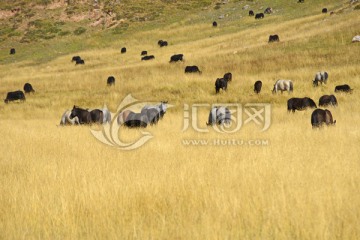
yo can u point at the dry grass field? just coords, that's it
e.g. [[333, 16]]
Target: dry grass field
[[288, 182]]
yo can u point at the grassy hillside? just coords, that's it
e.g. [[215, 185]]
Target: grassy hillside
[[288, 182], [62, 28]]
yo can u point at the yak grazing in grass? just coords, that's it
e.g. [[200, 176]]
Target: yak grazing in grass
[[300, 104]]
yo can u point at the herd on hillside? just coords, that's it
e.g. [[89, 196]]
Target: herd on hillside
[[151, 114]]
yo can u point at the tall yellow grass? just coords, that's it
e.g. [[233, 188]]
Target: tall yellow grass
[[62, 183]]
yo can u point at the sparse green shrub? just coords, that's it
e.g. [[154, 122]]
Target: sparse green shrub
[[64, 33], [118, 17], [61, 23], [185, 7], [70, 11], [25, 40], [43, 2], [137, 9], [16, 19], [36, 23], [14, 34], [7, 7], [112, 24], [47, 37], [41, 29], [29, 14], [79, 30], [121, 28], [6, 31], [77, 8]]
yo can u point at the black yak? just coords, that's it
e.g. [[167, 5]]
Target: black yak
[[300, 104], [321, 116], [257, 86], [327, 100], [343, 88]]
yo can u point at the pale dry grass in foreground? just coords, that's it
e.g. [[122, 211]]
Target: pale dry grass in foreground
[[60, 182]]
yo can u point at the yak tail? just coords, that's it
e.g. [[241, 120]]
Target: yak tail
[[291, 86]]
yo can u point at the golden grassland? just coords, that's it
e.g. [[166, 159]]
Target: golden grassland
[[62, 183]]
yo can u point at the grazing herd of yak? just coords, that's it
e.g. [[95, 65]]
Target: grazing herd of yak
[[151, 114]]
